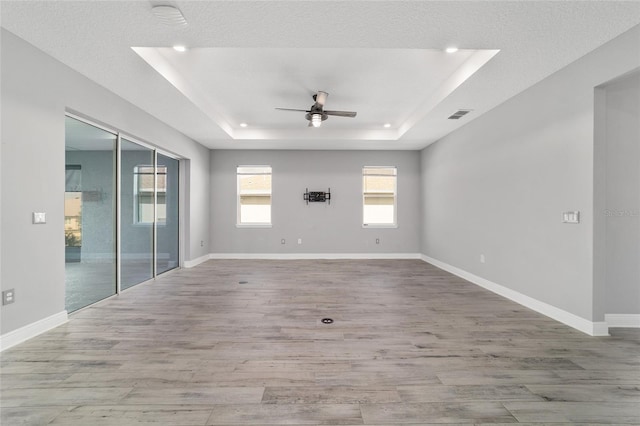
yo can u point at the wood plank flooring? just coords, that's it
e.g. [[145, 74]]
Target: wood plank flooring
[[410, 344]]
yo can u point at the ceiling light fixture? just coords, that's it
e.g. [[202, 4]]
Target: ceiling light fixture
[[169, 15], [387, 125], [451, 49], [316, 120], [180, 48], [243, 124]]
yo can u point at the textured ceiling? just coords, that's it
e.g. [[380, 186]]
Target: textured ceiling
[[534, 38]]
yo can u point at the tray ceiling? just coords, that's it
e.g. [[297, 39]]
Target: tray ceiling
[[384, 59]]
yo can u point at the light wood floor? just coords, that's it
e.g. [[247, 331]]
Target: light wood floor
[[410, 344]]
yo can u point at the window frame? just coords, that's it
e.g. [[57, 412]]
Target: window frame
[[240, 224], [395, 198]]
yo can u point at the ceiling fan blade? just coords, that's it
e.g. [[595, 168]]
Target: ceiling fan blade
[[321, 97], [342, 113], [293, 109]]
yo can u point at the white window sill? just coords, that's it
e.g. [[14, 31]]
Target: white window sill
[[380, 225], [253, 225]]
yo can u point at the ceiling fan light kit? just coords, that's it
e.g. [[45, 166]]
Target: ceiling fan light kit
[[316, 114], [316, 120]]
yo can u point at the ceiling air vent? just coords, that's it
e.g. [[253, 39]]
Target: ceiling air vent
[[170, 16], [459, 114]]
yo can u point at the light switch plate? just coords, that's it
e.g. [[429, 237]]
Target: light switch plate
[[571, 217], [39, 217]]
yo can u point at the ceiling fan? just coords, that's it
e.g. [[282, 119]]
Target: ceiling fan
[[316, 114]]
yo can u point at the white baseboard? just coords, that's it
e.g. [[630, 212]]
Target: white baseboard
[[598, 328], [25, 333], [294, 256], [623, 320], [196, 261], [572, 320]]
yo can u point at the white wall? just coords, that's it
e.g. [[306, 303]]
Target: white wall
[[324, 228], [499, 185], [621, 160], [36, 91]]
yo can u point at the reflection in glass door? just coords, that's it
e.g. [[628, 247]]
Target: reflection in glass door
[[73, 213], [167, 229], [137, 194], [144, 223], [90, 261]]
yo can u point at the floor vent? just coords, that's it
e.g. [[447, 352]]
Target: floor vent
[[459, 114], [243, 282]]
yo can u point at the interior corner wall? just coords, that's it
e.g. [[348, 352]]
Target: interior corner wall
[[36, 92], [499, 185], [334, 228], [620, 211]]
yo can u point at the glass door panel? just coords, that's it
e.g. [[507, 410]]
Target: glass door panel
[[90, 261], [167, 230], [136, 213]]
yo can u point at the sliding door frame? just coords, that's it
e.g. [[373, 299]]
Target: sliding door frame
[[120, 135], [181, 189], [118, 209]]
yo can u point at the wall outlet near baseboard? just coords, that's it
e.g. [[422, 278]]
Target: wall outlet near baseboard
[[482, 259], [571, 217], [299, 240], [283, 241], [377, 240], [8, 296]]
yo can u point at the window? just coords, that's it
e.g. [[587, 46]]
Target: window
[[379, 196], [254, 195], [143, 189]]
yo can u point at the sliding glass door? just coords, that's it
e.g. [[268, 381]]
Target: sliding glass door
[[137, 195], [89, 210], [167, 214], [108, 252]]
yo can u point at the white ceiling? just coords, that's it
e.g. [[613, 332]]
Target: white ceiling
[[383, 59], [395, 86]]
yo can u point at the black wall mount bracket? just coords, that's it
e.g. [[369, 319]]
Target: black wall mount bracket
[[317, 196]]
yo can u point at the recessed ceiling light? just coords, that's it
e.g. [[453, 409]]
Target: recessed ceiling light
[[387, 125], [180, 48], [451, 49], [243, 124]]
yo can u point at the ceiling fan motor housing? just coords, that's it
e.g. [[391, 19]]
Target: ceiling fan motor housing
[[313, 112], [316, 113]]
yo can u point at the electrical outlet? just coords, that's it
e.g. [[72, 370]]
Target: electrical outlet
[[299, 240], [283, 241], [482, 258], [571, 217], [39, 217], [201, 243], [8, 296], [377, 240]]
